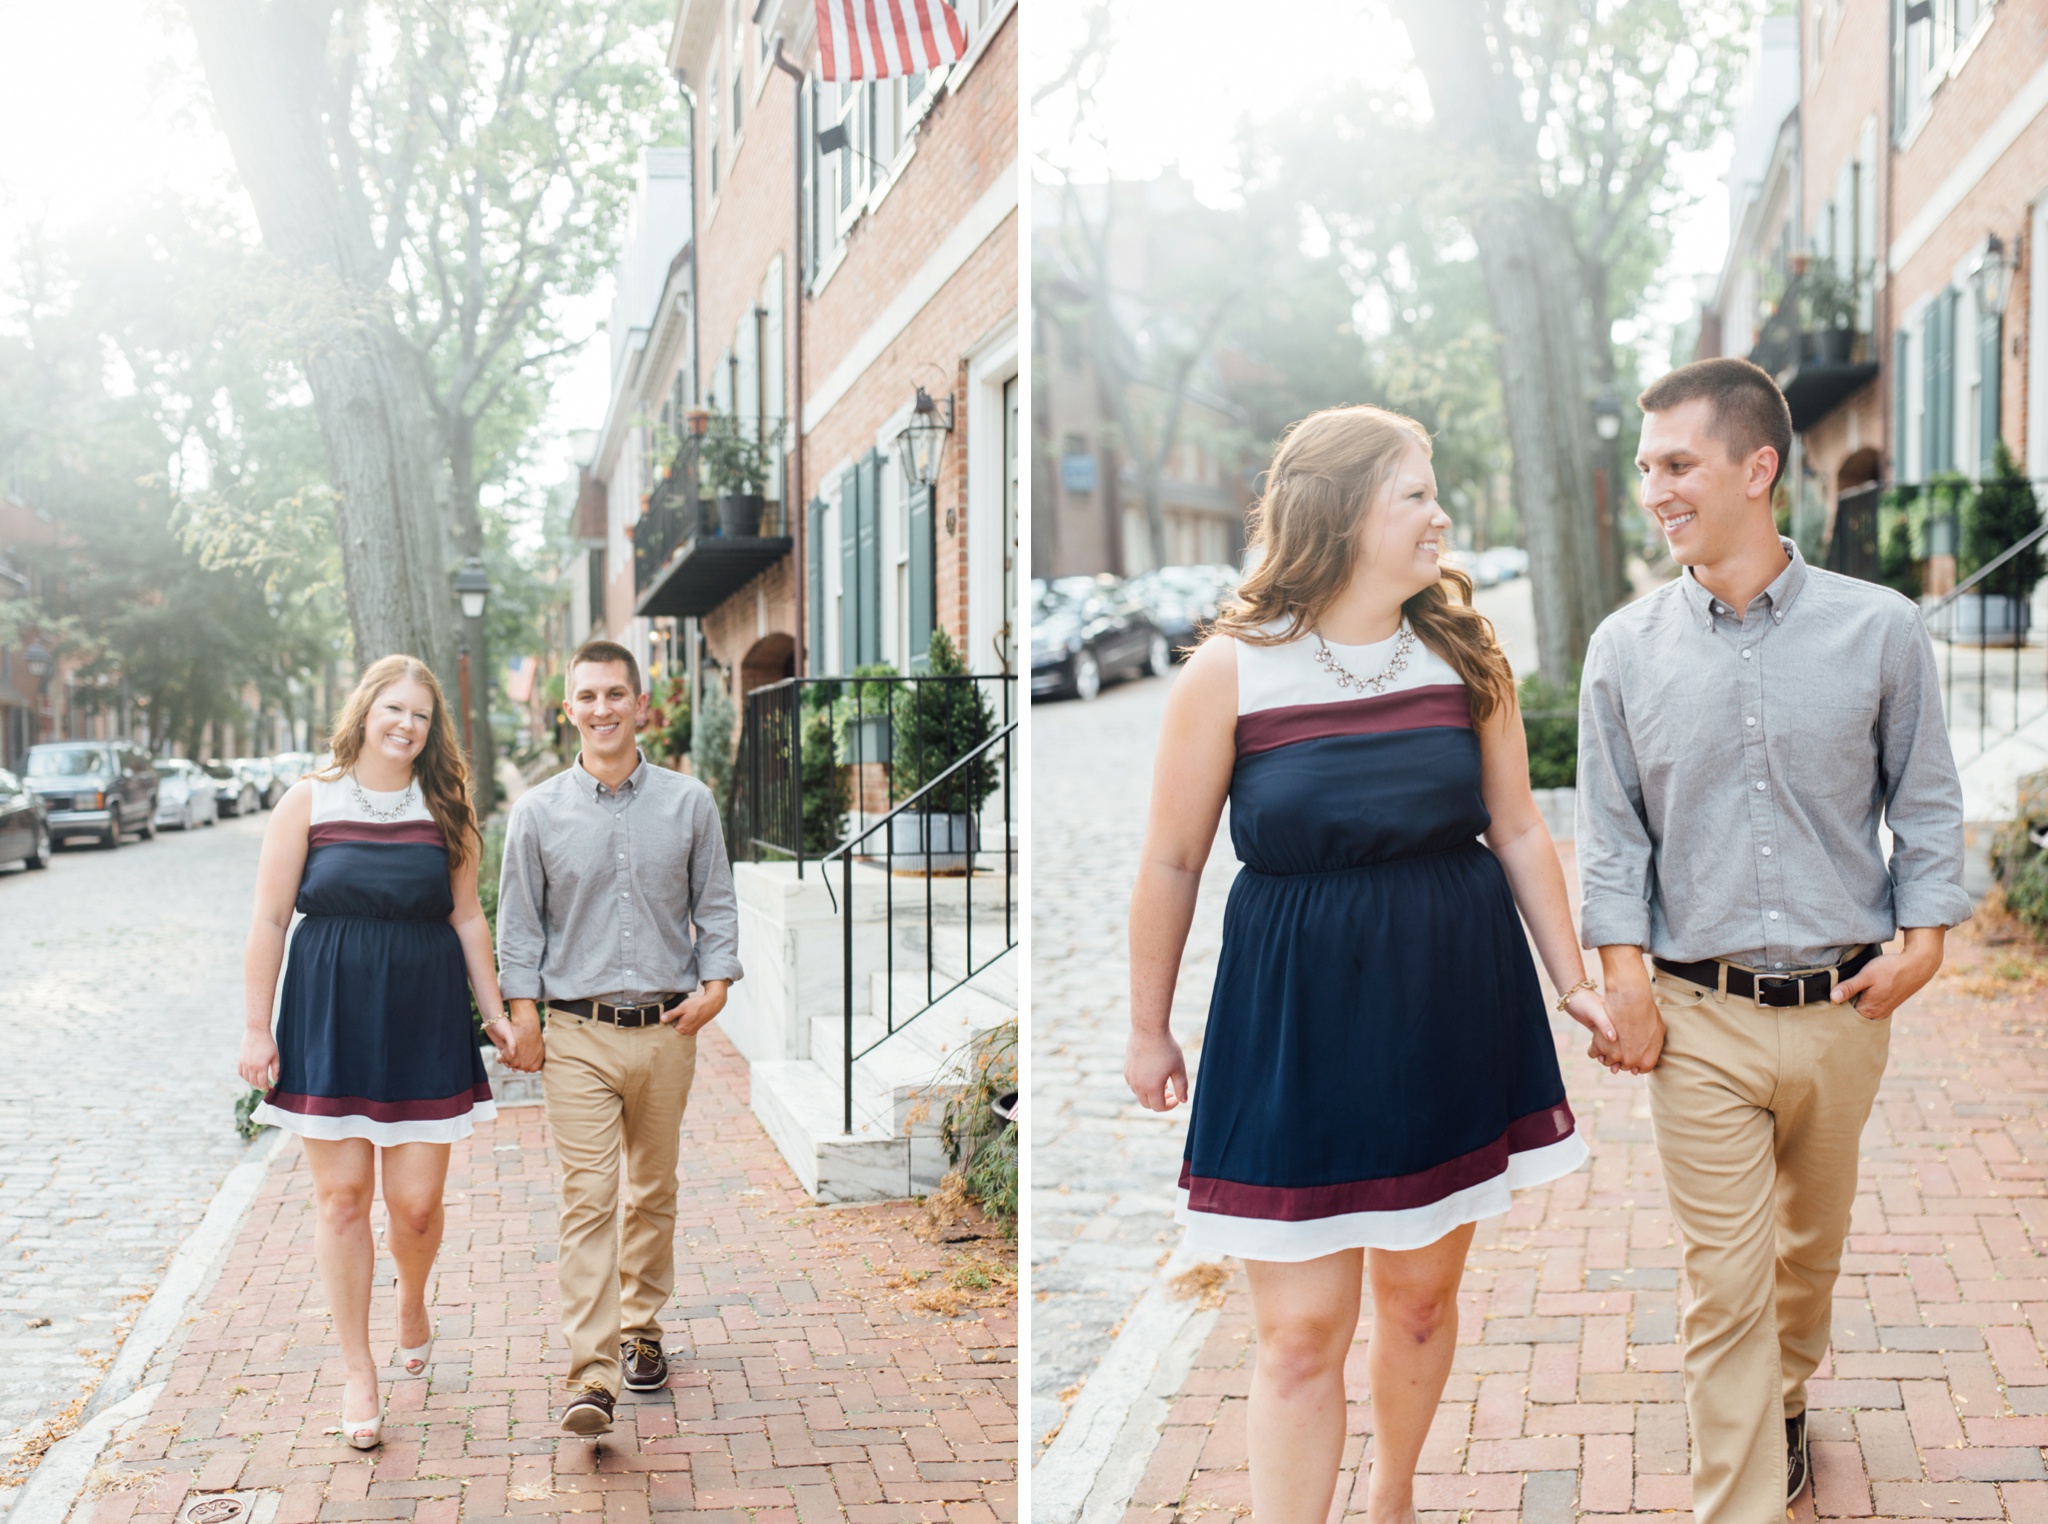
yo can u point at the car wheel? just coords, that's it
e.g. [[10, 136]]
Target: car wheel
[[39, 855], [1159, 656], [113, 837], [248, 804], [1087, 676], [149, 823]]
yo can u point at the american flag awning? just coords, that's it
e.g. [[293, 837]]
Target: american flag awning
[[886, 39]]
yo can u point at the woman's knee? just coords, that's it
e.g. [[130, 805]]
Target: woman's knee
[[1303, 1351], [1414, 1314], [343, 1205], [416, 1216]]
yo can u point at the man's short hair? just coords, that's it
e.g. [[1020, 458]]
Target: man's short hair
[[604, 653], [1748, 409]]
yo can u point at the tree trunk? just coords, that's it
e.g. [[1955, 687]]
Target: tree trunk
[[1532, 284], [268, 65]]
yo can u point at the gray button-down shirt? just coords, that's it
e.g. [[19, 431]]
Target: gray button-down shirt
[[600, 887], [1733, 767]]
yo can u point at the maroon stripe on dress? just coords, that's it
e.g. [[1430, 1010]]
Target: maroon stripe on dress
[[381, 1111], [1439, 705], [423, 833], [1394, 1193]]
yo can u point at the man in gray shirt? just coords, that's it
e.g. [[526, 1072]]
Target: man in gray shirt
[[607, 866], [1742, 730]]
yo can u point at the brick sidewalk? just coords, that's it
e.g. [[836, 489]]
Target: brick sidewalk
[[1566, 1394], [808, 1384]]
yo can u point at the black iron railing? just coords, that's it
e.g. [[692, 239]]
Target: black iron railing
[[816, 753], [673, 515], [942, 841], [1789, 338], [1953, 622]]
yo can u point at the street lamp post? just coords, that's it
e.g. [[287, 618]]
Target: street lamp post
[[1607, 428], [38, 658], [473, 589]]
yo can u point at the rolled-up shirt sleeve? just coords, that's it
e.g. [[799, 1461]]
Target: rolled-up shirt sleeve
[[522, 910], [714, 907], [1923, 795], [1615, 853]]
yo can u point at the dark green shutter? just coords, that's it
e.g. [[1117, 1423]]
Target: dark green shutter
[[849, 570], [1938, 428], [869, 552], [1987, 390], [924, 593], [816, 591], [1902, 413]]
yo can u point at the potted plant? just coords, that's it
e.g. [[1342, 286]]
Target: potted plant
[[1831, 299], [2004, 513], [935, 724], [735, 467], [861, 714], [668, 722]]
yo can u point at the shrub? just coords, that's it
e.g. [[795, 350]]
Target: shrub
[[2004, 513], [711, 745], [1550, 722], [935, 725], [667, 736], [2018, 861], [981, 1144], [826, 794]]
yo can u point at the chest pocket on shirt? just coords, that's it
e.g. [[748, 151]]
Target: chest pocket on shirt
[[1820, 732]]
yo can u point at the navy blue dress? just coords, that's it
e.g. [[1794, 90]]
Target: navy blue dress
[[374, 1035], [1378, 1066]]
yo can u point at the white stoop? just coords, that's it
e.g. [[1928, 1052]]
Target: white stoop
[[788, 1017]]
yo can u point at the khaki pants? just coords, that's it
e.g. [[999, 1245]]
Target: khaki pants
[[1758, 1114], [615, 1095]]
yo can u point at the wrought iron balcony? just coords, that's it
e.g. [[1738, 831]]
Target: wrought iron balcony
[[683, 565], [1818, 369]]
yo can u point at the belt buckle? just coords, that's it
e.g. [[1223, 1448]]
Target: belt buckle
[[1777, 981]]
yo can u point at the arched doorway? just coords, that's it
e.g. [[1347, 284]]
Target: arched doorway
[[769, 660], [1853, 528]]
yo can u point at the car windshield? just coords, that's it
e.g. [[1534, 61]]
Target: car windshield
[[67, 762], [219, 770], [1052, 601]]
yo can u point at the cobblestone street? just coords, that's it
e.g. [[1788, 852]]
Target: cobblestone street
[[121, 987]]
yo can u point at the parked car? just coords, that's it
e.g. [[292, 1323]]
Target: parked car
[[1504, 563], [1181, 600], [235, 789], [1086, 631], [24, 823], [290, 767], [269, 786], [94, 788], [187, 794]]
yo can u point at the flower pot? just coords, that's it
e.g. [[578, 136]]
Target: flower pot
[[949, 838], [1836, 345], [866, 740], [739, 514]]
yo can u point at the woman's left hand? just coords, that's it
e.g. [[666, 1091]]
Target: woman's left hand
[[1590, 1012]]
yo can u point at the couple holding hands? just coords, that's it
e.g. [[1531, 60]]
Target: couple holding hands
[[616, 908], [1378, 1072]]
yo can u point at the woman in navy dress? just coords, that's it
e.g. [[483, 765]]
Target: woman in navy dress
[[1378, 1070], [374, 1053]]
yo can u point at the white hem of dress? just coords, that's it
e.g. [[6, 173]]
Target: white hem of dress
[[1409, 1228], [383, 1134]]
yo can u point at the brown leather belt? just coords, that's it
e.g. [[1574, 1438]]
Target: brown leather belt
[[1775, 990], [647, 1015]]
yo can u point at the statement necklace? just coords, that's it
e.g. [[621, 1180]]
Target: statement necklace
[[1327, 660], [363, 800]]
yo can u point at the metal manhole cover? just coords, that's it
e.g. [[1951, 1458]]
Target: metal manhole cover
[[215, 1510]]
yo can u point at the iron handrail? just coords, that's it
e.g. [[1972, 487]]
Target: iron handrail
[[845, 854]]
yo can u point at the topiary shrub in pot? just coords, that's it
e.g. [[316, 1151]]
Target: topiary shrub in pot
[[2004, 513], [935, 725]]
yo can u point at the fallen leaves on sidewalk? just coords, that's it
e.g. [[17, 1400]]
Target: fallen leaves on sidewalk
[[1204, 1285]]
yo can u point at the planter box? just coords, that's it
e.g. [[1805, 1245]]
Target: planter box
[[866, 740], [952, 841], [1980, 619]]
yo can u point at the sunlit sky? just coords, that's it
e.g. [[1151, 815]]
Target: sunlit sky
[[104, 100]]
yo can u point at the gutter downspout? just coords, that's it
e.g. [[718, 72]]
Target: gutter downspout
[[1880, 265], [799, 573], [692, 636]]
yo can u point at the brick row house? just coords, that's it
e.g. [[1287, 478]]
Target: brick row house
[[1890, 182], [818, 267], [907, 279]]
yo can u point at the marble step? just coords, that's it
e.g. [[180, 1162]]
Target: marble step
[[799, 1105]]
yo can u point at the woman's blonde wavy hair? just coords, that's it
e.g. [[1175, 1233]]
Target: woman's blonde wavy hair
[[440, 768], [1307, 535]]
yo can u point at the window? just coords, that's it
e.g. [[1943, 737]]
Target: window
[[735, 54], [711, 138]]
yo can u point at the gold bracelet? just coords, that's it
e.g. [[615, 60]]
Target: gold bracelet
[[1566, 998]]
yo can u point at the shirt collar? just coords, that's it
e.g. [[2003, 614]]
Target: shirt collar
[[1783, 590], [588, 786]]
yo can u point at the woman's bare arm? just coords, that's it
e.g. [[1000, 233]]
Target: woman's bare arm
[[279, 867], [474, 932], [1190, 782], [1521, 841]]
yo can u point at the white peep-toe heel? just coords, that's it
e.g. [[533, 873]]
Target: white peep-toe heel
[[363, 1433], [414, 1361]]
